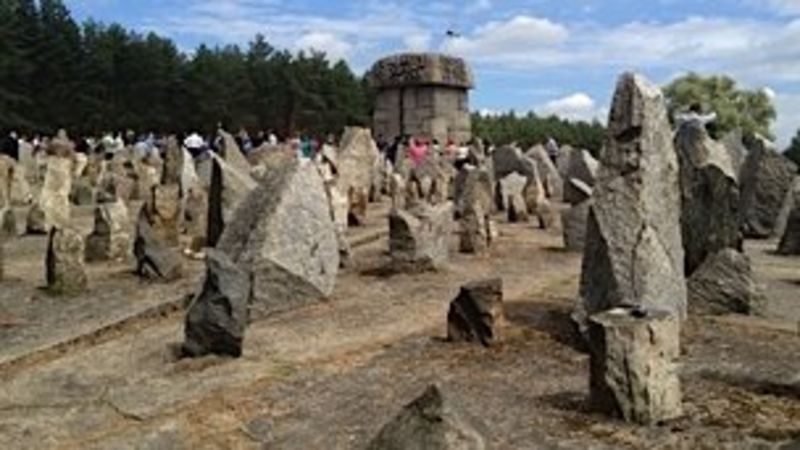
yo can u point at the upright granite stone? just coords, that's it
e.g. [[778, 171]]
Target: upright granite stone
[[419, 238], [573, 221], [195, 217], [217, 317], [283, 233], [551, 179], [6, 179], [734, 145], [65, 271], [511, 197], [474, 234], [634, 254], [434, 421], [473, 186], [110, 239], [355, 163], [633, 371], [725, 283], [790, 241], [174, 163], [766, 178], [35, 220], [155, 260], [229, 189], [54, 198], [709, 196], [789, 202], [582, 166], [164, 211], [476, 315], [8, 223]]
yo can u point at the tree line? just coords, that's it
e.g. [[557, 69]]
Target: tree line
[[92, 77], [529, 129]]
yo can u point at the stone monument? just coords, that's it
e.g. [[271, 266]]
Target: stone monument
[[424, 95]]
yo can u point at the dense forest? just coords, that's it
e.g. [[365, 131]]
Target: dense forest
[[92, 77]]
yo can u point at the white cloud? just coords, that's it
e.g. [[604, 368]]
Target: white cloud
[[479, 6], [418, 42], [577, 106], [788, 7], [335, 47], [523, 36]]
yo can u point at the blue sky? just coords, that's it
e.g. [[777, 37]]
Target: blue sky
[[550, 56]]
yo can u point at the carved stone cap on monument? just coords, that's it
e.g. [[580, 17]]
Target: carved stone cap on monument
[[421, 69]]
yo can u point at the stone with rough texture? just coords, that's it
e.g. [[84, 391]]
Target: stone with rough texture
[[473, 185], [573, 221], [709, 196], [8, 223], [34, 220], [634, 253], [582, 166], [511, 197], [65, 271], [284, 234], [6, 179], [355, 163], [725, 283], [765, 179], [164, 211], [474, 234], [195, 217], [155, 261], [790, 241], [82, 193], [229, 188], [418, 239], [633, 370], [217, 318], [54, 198], [737, 152], [174, 163], [110, 239], [789, 202], [476, 315], [431, 422], [551, 179]]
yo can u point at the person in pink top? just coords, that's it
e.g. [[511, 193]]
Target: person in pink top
[[417, 151]]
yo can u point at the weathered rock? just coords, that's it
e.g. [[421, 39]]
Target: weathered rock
[[229, 189], [397, 191], [581, 166], [418, 239], [217, 318], [195, 217], [54, 198], [431, 422], [174, 163], [6, 178], [20, 193], [164, 211], [155, 261], [476, 315], [789, 202], [232, 154], [35, 220], [737, 152], [473, 186], [65, 271], [355, 165], [573, 221], [536, 198], [725, 283], [790, 241], [633, 374], [507, 160], [110, 239], [474, 233], [284, 234], [709, 196], [61, 146], [8, 223], [634, 254], [551, 179], [580, 192], [81, 193], [766, 178], [510, 191]]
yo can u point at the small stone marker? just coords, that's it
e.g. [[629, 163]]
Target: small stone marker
[[476, 315], [725, 283], [431, 422], [633, 374], [154, 259], [217, 318], [573, 221], [418, 239], [8, 223], [474, 234], [65, 271], [109, 239]]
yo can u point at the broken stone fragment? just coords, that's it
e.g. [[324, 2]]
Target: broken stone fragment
[[476, 315]]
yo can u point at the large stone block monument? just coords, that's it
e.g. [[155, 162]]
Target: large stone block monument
[[422, 94]]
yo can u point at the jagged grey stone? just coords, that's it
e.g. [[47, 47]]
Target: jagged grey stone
[[434, 421], [155, 260], [551, 179], [476, 315], [766, 178], [573, 221], [633, 371], [217, 317], [634, 253], [725, 283], [110, 239], [284, 234], [419, 238], [511, 197], [65, 271]]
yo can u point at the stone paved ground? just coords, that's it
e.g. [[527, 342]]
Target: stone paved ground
[[328, 376]]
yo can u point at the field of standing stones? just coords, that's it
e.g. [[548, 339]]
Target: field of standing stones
[[648, 298]]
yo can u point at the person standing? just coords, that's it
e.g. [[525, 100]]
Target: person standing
[[418, 151], [552, 149]]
